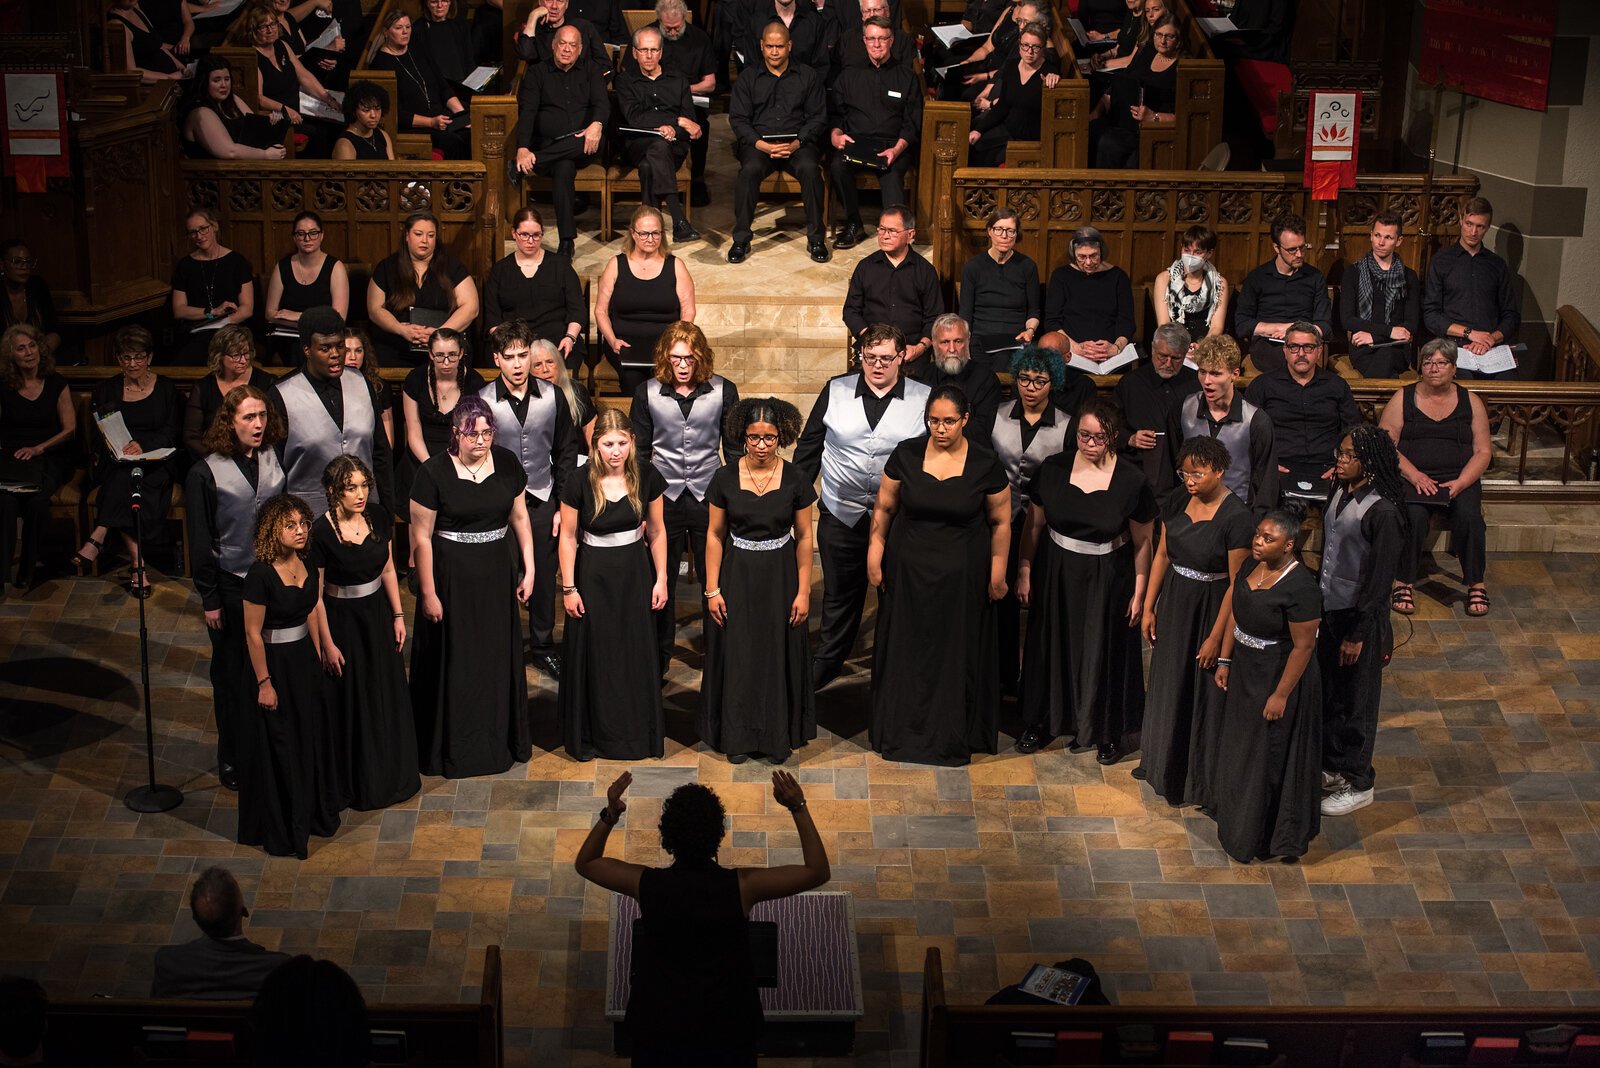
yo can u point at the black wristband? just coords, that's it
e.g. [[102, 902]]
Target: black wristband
[[607, 818]]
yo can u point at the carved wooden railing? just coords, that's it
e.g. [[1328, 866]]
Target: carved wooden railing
[[1143, 213], [1578, 361]]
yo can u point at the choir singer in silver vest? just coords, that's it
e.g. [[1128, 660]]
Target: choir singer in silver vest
[[855, 423], [329, 413]]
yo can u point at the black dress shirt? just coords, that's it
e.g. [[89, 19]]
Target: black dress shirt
[[1408, 314], [766, 103], [1471, 289], [851, 52], [906, 296], [810, 34], [1270, 297], [1307, 420], [980, 386], [644, 424], [808, 451], [999, 298], [648, 103], [537, 48], [878, 105], [1089, 307], [555, 103], [1147, 402]]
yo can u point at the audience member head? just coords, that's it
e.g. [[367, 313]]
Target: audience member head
[[1436, 362], [1088, 250], [347, 483], [1386, 234], [511, 345], [1476, 216], [134, 348], [1025, 11], [546, 364], [448, 358], [17, 262], [1289, 242], [527, 230], [231, 351], [359, 355], [257, 27], [394, 31], [647, 233], [875, 9], [420, 235], [1277, 538], [946, 414], [1302, 349], [217, 903], [1196, 247], [693, 822], [282, 527], [211, 87], [1168, 348], [647, 47], [438, 10], [471, 416], [673, 16], [759, 417], [245, 420], [952, 343], [555, 13], [1166, 36], [683, 356], [204, 231], [307, 233], [310, 1012], [897, 228], [877, 33], [566, 46], [881, 347], [1033, 41], [23, 355], [322, 341], [1036, 371], [775, 47], [365, 104], [24, 1011], [1004, 227], [614, 454]]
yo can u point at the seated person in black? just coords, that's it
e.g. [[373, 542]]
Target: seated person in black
[[215, 123], [427, 103], [1146, 90], [1286, 289], [26, 295], [1000, 294], [851, 51], [562, 110], [1088, 305], [1380, 304], [536, 42], [540, 288], [1311, 407], [811, 33], [446, 36], [655, 99], [687, 51], [877, 119], [950, 363], [365, 104], [1469, 297], [1010, 111]]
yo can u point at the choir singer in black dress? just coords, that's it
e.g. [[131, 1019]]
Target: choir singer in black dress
[[222, 496], [366, 631], [941, 531], [610, 587], [1082, 669], [469, 692], [756, 689]]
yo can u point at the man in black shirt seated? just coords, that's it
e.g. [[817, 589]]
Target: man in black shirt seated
[[1147, 394], [877, 116], [777, 113], [222, 963], [951, 364], [1310, 408], [1380, 304], [657, 100], [1469, 298], [851, 51], [536, 42], [686, 51], [562, 109], [896, 285], [1281, 291]]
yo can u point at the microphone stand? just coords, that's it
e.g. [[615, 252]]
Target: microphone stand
[[151, 797]]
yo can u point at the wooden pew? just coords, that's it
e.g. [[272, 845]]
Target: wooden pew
[[1181, 144]]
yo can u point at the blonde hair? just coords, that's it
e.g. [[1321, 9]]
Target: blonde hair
[[1217, 353], [608, 420], [645, 211]]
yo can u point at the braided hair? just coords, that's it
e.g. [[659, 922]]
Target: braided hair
[[1380, 463]]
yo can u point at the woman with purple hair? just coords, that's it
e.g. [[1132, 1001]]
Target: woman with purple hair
[[469, 692]]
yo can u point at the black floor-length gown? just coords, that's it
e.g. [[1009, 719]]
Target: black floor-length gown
[[376, 703], [469, 691], [756, 691], [291, 761], [1183, 706], [610, 683], [1266, 787], [1082, 665], [935, 658]]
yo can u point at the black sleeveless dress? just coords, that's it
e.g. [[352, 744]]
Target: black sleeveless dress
[[641, 308], [297, 297], [147, 51], [1439, 448], [367, 148]]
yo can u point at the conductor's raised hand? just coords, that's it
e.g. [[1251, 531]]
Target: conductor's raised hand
[[786, 790], [619, 786]]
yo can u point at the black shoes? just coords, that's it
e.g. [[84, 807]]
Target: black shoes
[[550, 664], [738, 252], [228, 775], [1108, 753], [849, 236], [738, 758], [682, 230], [819, 251], [1033, 739], [822, 674], [566, 247]]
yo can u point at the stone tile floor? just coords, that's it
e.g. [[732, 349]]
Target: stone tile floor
[[1474, 879]]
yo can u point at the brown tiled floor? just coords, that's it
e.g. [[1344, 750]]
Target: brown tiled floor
[[1474, 879]]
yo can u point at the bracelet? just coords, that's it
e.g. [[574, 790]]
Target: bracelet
[[714, 593], [569, 589], [399, 615], [607, 818], [262, 681], [801, 807], [1223, 661]]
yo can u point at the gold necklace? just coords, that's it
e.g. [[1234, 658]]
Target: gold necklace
[[760, 487], [1274, 576], [472, 472]]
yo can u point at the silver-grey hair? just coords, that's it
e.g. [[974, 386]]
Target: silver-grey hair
[[949, 321], [1175, 336], [1442, 345], [648, 31], [1302, 326], [674, 6], [1088, 235]]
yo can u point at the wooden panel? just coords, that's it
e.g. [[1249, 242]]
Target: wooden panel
[[1064, 124], [945, 126]]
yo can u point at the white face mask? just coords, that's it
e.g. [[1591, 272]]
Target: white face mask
[[1192, 264]]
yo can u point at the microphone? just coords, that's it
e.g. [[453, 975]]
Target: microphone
[[136, 499]]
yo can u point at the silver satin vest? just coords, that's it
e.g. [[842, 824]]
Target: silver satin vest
[[1343, 549], [233, 540], [1234, 436], [531, 441], [314, 439], [854, 453], [687, 451], [1020, 463]]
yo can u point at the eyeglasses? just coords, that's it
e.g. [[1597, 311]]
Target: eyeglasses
[[880, 38], [643, 235], [1003, 231], [297, 524], [1435, 365], [684, 361], [1187, 477], [1166, 37], [1031, 382], [1290, 250], [28, 264], [889, 231], [1093, 439], [942, 423], [307, 234], [1296, 346], [1030, 47], [476, 435], [444, 357], [1343, 454], [522, 235], [646, 51], [761, 439], [879, 361], [134, 357], [198, 230]]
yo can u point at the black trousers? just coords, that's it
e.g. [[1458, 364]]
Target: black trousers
[[1468, 536], [686, 521], [755, 165], [1350, 696], [559, 162], [232, 679], [546, 573], [1267, 355], [1386, 361], [699, 146], [657, 161], [892, 181], [34, 511], [843, 548]]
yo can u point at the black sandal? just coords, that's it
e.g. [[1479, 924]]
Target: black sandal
[[1477, 602], [80, 560], [1400, 600]]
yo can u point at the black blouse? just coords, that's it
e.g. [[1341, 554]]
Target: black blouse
[[153, 421], [209, 283], [959, 500], [760, 517], [619, 515], [287, 606], [297, 297], [278, 79], [417, 80], [1100, 516], [342, 563], [547, 302], [467, 506], [25, 423], [1204, 546], [434, 423], [432, 293]]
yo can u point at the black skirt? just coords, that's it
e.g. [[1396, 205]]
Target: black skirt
[[382, 742], [610, 679], [291, 760], [1183, 703], [756, 691], [469, 690]]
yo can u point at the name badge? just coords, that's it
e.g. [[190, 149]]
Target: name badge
[[894, 94]]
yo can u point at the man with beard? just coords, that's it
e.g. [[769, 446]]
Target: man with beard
[[1147, 394], [950, 364]]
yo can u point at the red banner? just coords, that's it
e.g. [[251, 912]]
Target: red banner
[[1493, 49], [35, 128], [1333, 128]]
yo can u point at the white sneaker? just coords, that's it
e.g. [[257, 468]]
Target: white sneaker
[[1332, 780], [1345, 800]]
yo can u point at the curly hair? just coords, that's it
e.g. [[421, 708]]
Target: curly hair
[[692, 823], [337, 476], [9, 374], [364, 94], [270, 520], [1205, 451], [1217, 353], [752, 410], [695, 338], [1105, 411], [220, 437], [1380, 463], [1040, 360]]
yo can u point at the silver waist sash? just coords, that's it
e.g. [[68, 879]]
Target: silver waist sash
[[761, 546], [1200, 576], [1089, 548], [1252, 641], [285, 635], [612, 541], [352, 593], [481, 537]]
